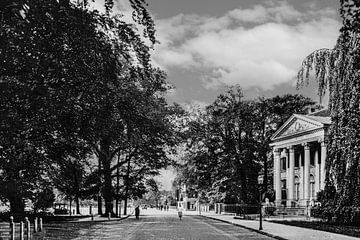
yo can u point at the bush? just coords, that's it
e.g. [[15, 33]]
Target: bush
[[269, 210], [330, 209]]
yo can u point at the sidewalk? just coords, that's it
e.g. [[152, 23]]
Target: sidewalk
[[279, 231], [98, 218]]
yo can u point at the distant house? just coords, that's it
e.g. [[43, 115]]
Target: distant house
[[185, 199], [299, 148]]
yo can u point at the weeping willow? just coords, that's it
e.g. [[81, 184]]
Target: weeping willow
[[337, 71]]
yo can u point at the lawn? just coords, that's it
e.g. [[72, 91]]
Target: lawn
[[353, 231]]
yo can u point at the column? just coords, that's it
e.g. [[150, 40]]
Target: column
[[301, 172], [291, 175], [322, 165], [317, 171], [277, 176], [307, 172]]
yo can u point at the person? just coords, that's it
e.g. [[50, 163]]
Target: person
[[137, 212], [180, 212]]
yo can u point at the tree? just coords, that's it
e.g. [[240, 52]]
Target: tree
[[69, 179], [229, 144], [152, 196], [221, 159], [44, 199], [337, 70], [67, 75], [271, 113]]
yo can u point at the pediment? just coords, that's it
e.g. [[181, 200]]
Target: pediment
[[295, 125]]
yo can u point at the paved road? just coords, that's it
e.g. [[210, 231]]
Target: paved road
[[159, 226]]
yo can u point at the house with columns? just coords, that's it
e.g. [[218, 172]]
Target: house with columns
[[299, 150]]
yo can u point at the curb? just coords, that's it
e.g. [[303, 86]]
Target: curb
[[103, 220], [93, 221], [248, 228]]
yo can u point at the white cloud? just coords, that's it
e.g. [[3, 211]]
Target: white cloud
[[259, 46]]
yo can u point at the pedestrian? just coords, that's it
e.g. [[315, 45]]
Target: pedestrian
[[137, 212], [180, 209]]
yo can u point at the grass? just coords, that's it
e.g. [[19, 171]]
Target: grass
[[353, 231]]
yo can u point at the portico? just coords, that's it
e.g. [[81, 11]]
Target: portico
[[299, 150]]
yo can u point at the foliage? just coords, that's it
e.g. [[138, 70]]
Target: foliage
[[44, 199], [74, 82], [229, 144], [324, 226], [153, 194], [337, 70]]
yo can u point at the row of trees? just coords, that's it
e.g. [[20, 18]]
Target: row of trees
[[228, 145], [82, 108]]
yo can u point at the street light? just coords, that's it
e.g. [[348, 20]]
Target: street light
[[260, 182]]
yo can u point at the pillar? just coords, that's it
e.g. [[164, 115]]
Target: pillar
[[317, 172], [277, 176], [307, 172], [322, 165], [291, 174]]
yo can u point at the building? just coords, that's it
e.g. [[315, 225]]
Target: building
[[299, 150], [185, 200]]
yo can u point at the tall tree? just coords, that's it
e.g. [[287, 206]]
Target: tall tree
[[271, 113], [67, 74], [337, 70], [229, 144], [221, 155]]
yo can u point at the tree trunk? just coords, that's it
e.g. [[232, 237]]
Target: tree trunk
[[77, 202], [106, 163], [99, 200], [17, 205], [126, 187], [117, 186], [12, 193], [265, 180], [77, 191]]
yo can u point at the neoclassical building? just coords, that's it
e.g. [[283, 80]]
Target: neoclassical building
[[299, 148]]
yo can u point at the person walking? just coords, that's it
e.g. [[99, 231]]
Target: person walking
[[137, 212], [180, 210]]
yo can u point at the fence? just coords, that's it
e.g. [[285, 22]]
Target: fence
[[22, 230], [237, 209]]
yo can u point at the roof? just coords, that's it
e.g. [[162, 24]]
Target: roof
[[323, 120], [321, 113], [301, 123]]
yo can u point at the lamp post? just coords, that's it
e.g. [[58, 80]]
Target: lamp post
[[260, 182]]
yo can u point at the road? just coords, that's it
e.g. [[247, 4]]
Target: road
[[152, 225]]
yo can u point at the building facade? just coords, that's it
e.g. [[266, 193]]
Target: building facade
[[299, 150], [184, 200]]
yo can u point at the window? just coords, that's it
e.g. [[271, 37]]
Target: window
[[297, 160], [302, 158], [297, 188], [283, 163], [312, 186], [283, 190], [312, 157]]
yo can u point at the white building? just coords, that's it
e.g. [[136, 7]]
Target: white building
[[299, 147], [185, 201]]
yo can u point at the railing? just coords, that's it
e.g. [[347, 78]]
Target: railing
[[21, 230], [237, 209]]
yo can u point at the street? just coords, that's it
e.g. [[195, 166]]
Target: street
[[152, 225]]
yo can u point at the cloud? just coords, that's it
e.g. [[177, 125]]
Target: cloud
[[260, 46]]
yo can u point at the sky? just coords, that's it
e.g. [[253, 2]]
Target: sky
[[208, 45]]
